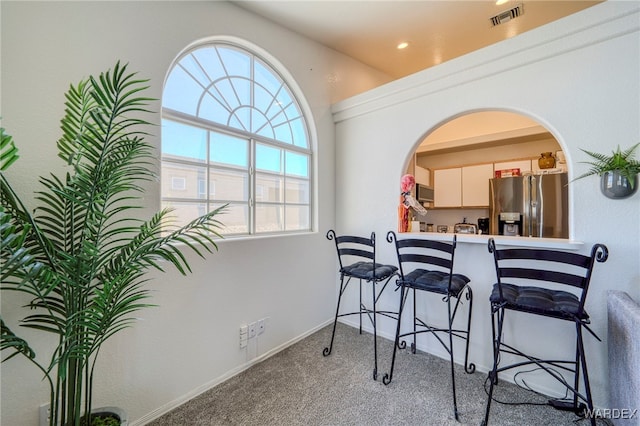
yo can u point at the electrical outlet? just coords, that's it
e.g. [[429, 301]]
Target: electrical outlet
[[244, 336], [252, 330], [45, 414]]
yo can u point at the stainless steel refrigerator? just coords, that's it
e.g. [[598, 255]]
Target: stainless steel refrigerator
[[530, 206]]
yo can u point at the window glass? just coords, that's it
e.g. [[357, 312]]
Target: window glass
[[297, 164], [209, 61], [268, 158], [265, 78], [229, 150], [297, 191], [233, 133], [183, 142], [235, 220], [181, 92], [182, 181], [212, 109], [297, 217], [269, 188], [269, 218], [184, 212], [236, 62], [228, 185]]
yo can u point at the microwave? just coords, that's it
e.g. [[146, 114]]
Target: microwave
[[424, 194]]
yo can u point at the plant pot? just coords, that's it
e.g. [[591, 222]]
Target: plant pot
[[616, 186], [113, 412]]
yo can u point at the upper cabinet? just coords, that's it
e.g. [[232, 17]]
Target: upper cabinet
[[447, 187], [469, 186], [475, 185], [462, 186], [422, 176]]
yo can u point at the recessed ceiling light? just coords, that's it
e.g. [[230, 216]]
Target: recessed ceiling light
[[403, 45], [501, 2]]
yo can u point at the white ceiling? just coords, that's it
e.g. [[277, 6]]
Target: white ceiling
[[437, 31]]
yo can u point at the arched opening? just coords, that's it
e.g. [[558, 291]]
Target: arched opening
[[483, 168]]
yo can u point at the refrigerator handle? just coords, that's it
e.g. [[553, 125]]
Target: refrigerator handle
[[535, 218], [526, 200]]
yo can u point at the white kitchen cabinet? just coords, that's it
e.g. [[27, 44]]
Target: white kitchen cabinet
[[422, 176], [475, 185], [447, 187]]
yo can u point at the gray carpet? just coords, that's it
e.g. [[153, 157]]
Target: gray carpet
[[299, 386]]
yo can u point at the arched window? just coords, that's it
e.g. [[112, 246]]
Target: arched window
[[233, 132]]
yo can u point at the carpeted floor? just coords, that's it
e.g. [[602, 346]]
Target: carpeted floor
[[299, 386]]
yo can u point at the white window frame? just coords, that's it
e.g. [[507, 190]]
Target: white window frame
[[253, 139]]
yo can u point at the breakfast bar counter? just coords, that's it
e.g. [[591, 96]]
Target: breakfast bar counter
[[503, 240]]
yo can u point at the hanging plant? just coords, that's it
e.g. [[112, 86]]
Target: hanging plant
[[618, 172], [621, 161]]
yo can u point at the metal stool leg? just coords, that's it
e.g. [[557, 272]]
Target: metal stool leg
[[493, 374], [585, 374], [414, 345], [453, 376], [375, 332], [386, 379], [327, 351], [361, 306], [469, 368]]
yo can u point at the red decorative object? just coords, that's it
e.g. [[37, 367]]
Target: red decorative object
[[406, 186], [507, 173]]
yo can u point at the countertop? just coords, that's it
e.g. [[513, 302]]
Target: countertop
[[503, 240]]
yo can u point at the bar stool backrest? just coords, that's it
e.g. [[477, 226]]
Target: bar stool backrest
[[351, 248], [422, 253], [544, 266]]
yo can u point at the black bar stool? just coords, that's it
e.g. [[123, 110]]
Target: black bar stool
[[357, 258], [427, 265], [538, 274]]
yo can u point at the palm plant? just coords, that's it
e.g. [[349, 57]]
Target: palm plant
[[80, 257], [621, 161]]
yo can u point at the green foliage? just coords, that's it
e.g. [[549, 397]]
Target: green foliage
[[81, 257], [8, 150], [104, 420], [623, 161]]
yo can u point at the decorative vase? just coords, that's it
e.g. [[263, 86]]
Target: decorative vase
[[546, 161], [616, 186]]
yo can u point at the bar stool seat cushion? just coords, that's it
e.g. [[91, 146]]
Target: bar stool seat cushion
[[365, 271], [435, 281], [538, 300]]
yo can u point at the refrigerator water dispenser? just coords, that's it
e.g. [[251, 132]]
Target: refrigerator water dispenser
[[510, 223]]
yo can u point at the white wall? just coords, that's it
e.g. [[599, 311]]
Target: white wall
[[190, 341], [577, 77]]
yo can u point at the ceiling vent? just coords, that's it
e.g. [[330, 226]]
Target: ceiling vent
[[507, 15]]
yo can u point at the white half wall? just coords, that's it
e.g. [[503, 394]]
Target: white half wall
[[579, 78]]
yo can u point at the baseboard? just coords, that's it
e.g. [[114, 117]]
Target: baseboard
[[164, 409]]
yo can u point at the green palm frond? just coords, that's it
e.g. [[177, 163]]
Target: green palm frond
[[8, 150], [9, 341], [82, 256]]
